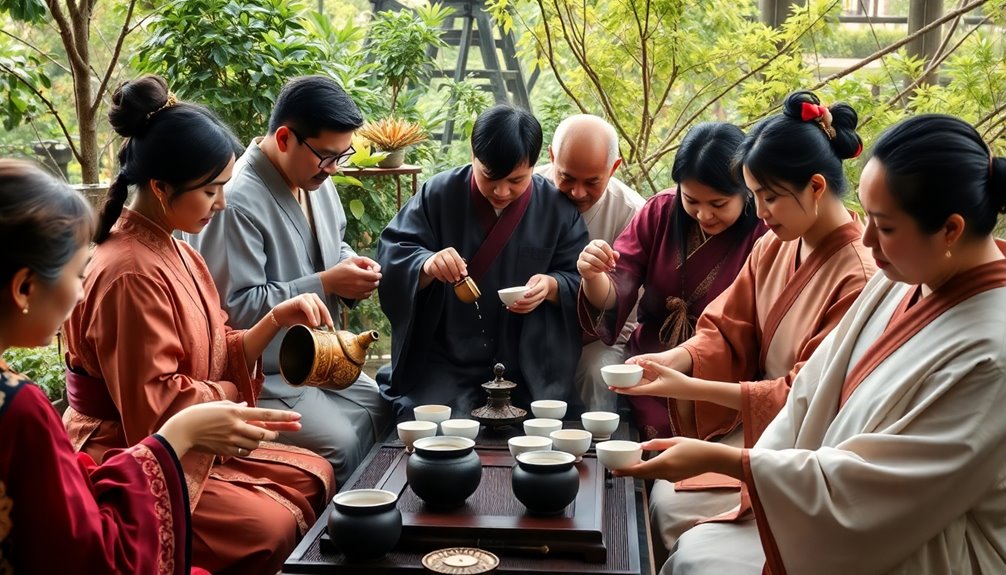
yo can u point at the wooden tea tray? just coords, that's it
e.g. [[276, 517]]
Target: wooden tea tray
[[492, 517]]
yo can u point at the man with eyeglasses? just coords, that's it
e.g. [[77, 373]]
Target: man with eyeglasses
[[281, 235]]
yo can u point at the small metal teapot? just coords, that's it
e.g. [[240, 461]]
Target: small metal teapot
[[323, 358]]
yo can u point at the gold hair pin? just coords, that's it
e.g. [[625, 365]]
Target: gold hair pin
[[171, 101]]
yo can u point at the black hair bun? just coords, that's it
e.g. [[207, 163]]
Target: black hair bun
[[134, 101], [846, 143]]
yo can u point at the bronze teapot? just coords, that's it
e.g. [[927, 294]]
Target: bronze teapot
[[323, 358]]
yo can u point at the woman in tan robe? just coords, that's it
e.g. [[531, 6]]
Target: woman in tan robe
[[731, 378], [150, 338]]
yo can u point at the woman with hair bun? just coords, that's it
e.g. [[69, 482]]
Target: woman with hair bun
[[683, 248], [890, 452], [730, 379], [150, 337], [61, 513]]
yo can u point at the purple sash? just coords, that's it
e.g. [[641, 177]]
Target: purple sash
[[498, 229], [89, 396]]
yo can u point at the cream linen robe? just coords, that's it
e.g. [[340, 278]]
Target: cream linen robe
[[907, 475]]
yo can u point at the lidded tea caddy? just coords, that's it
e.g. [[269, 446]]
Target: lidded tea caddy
[[498, 411]]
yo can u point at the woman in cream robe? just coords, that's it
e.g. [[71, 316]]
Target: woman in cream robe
[[889, 455]]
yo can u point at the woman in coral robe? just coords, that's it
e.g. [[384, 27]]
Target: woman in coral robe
[[60, 512], [150, 337], [683, 248], [890, 452], [733, 375]]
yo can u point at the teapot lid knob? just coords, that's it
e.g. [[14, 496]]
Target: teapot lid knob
[[498, 370]]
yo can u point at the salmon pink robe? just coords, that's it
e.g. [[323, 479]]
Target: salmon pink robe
[[762, 329], [149, 339]]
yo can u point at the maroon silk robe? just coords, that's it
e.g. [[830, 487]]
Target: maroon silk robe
[[650, 258], [64, 514]]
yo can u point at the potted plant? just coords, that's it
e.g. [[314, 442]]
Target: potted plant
[[393, 136]]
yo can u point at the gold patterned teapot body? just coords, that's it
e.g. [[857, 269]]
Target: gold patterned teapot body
[[322, 358]]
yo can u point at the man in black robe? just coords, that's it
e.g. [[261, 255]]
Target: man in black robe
[[503, 226]]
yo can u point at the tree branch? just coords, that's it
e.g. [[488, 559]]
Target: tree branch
[[38, 50], [605, 101], [114, 59], [48, 104], [77, 64], [881, 53], [935, 63], [662, 150]]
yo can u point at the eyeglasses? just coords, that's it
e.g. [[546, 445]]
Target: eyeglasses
[[325, 162]]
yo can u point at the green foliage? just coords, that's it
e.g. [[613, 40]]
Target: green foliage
[[398, 44], [42, 365], [24, 10], [654, 68], [234, 55], [22, 74], [857, 43]]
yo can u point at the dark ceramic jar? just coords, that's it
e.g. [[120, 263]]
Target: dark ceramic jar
[[545, 481], [444, 471], [365, 523]]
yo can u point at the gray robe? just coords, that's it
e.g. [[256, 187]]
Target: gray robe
[[261, 251]]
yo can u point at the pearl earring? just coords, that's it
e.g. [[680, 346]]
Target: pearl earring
[[948, 254], [24, 310]]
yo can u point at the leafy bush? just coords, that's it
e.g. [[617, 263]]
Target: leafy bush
[[233, 55], [43, 365]]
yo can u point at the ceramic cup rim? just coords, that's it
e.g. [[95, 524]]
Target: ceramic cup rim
[[437, 443], [462, 423], [415, 425], [577, 434], [345, 498], [514, 289], [599, 416], [622, 368], [431, 408], [543, 422], [538, 443], [548, 403], [618, 446], [545, 458]]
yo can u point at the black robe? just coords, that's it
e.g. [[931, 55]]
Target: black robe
[[440, 349]]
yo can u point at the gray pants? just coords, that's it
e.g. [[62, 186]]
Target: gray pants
[[593, 391], [715, 548], [340, 426]]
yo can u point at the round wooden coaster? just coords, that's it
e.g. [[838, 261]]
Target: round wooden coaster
[[461, 561]]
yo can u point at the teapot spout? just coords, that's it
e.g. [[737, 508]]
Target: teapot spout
[[366, 338]]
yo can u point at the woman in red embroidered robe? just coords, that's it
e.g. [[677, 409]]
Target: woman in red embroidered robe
[[150, 337], [732, 377], [890, 452], [60, 513]]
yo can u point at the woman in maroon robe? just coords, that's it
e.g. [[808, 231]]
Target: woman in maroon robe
[[683, 248], [60, 512]]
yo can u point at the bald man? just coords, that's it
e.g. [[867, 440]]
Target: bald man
[[584, 156]]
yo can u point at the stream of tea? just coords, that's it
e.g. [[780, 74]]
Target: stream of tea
[[482, 327]]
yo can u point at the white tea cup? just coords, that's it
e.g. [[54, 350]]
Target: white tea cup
[[549, 408], [460, 428], [410, 431]]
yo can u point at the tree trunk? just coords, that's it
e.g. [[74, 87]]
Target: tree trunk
[[920, 14], [775, 12]]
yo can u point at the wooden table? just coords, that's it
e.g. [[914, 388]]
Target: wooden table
[[403, 170], [623, 526]]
